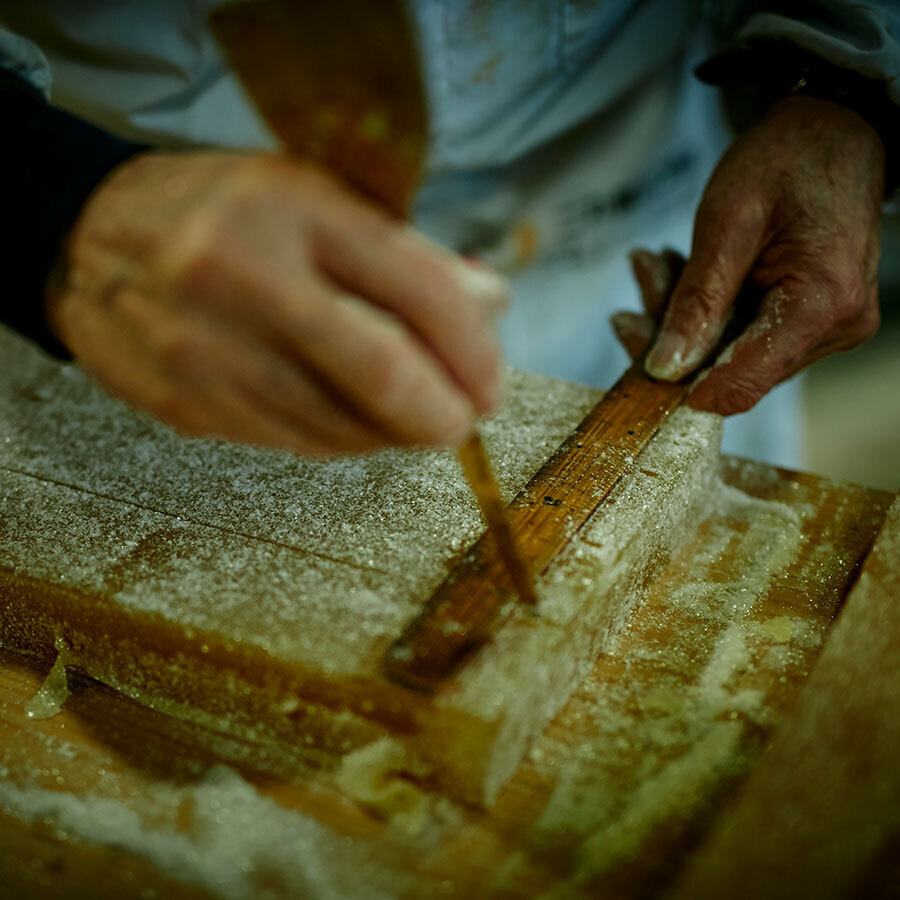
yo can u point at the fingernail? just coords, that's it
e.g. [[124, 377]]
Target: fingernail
[[667, 359], [640, 256], [485, 286]]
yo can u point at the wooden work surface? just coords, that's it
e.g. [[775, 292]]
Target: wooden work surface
[[622, 792]]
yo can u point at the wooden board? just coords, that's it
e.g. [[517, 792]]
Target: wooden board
[[631, 775], [253, 590], [835, 770]]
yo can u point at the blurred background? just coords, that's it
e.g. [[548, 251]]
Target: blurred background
[[852, 402]]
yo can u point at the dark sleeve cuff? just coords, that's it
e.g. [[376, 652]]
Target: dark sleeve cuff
[[756, 73], [50, 162]]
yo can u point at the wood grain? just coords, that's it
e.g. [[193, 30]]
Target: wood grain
[[824, 809], [118, 749]]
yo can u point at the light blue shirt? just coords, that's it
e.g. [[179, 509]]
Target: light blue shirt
[[563, 132]]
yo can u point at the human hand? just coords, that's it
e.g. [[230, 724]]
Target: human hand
[[255, 298], [789, 220]]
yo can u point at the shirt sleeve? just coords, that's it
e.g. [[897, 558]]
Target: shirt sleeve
[[22, 57], [50, 162], [842, 50], [860, 37]]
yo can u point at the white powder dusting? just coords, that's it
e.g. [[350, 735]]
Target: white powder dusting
[[322, 561], [677, 721], [236, 841]]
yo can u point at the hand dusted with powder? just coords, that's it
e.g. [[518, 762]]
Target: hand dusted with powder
[[790, 217], [255, 298]]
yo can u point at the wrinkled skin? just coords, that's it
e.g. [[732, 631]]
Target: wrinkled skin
[[790, 221], [255, 298]]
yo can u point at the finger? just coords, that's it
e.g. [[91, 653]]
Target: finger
[[111, 352], [634, 331], [283, 389], [656, 275], [360, 353], [193, 350], [851, 333], [182, 369], [288, 393], [447, 301], [727, 241], [376, 364], [236, 416], [783, 337]]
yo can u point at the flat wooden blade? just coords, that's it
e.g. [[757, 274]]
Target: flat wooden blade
[[337, 82], [547, 513], [477, 470]]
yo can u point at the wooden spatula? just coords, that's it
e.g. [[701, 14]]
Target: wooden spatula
[[339, 82]]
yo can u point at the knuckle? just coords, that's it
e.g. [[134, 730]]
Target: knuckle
[[737, 395], [850, 305], [748, 215], [870, 320], [817, 307], [442, 291], [839, 305], [254, 181], [202, 273], [742, 217], [198, 258], [308, 176], [338, 215], [388, 373], [375, 226], [300, 310], [178, 352], [701, 300], [255, 178], [864, 325], [727, 213]]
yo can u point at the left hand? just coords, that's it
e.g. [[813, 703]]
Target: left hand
[[791, 214]]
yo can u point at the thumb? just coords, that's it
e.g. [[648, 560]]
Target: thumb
[[725, 247]]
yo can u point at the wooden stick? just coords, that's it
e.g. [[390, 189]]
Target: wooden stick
[[465, 610]]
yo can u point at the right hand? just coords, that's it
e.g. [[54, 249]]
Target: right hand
[[255, 298]]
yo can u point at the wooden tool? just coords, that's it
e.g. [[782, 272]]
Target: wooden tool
[[339, 83], [461, 615]]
